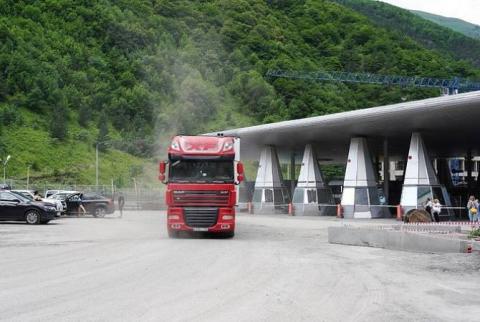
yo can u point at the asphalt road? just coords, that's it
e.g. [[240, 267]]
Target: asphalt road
[[277, 268]]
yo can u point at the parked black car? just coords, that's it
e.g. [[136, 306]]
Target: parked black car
[[15, 207], [93, 203]]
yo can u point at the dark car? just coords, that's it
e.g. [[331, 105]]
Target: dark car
[[15, 207], [93, 203]]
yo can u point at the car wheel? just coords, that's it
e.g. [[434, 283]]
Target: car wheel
[[32, 217], [99, 212]]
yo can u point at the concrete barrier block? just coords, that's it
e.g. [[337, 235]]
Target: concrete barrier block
[[395, 240], [476, 246]]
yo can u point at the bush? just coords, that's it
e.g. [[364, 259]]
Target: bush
[[474, 233], [9, 115]]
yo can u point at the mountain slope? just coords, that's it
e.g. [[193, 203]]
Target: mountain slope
[[459, 25], [88, 71], [429, 34]]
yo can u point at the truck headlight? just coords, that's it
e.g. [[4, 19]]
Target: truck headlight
[[228, 146]]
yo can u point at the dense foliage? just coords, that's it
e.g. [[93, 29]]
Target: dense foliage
[[464, 27], [429, 34], [139, 69]]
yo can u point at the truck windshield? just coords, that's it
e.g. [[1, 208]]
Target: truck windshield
[[201, 171]]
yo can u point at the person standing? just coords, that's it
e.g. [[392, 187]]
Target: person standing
[[428, 208], [472, 206], [436, 210], [36, 196], [121, 204], [80, 205], [475, 210]]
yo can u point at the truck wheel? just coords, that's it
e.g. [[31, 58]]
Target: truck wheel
[[32, 217], [172, 233], [228, 234], [99, 212]]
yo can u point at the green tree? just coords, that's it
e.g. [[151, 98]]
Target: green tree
[[59, 122]]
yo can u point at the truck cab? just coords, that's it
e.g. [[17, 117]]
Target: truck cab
[[201, 176]]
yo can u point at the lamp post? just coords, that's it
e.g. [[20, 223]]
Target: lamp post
[[28, 175], [96, 166], [5, 169]]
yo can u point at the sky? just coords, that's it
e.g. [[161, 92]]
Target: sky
[[468, 10]]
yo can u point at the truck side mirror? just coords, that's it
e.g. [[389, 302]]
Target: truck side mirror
[[161, 169], [240, 170]]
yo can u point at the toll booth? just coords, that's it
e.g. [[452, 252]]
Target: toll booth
[[360, 198], [271, 195], [312, 196], [421, 182]]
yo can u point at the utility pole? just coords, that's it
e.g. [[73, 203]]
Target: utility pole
[[5, 169], [28, 175], [96, 166]]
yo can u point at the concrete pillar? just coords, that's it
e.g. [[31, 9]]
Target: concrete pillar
[[271, 194], [469, 168], [312, 196], [420, 180], [292, 173], [360, 193], [386, 171]]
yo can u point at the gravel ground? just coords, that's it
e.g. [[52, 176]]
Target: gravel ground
[[277, 268]]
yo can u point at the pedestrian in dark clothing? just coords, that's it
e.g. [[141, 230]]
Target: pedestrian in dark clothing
[[121, 204]]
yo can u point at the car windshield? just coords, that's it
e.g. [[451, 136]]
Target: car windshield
[[220, 171], [24, 194], [21, 197]]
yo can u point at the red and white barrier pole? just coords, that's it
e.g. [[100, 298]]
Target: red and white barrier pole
[[339, 211], [291, 211], [399, 212]]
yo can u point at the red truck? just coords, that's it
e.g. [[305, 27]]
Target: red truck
[[201, 176]]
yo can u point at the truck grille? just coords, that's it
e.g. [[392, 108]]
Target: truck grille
[[200, 217], [201, 197]]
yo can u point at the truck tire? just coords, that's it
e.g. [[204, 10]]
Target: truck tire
[[32, 217], [172, 233], [99, 212], [228, 234]]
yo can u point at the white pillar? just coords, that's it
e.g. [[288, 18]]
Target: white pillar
[[360, 193], [271, 195], [312, 196]]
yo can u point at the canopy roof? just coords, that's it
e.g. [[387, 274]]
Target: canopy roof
[[450, 125]]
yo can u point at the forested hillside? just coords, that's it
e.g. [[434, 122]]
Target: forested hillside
[[464, 27], [139, 71], [429, 34]]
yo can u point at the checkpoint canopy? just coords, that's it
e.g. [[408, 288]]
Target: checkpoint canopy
[[448, 124]]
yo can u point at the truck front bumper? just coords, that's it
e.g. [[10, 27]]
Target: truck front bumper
[[225, 221]]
